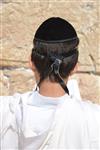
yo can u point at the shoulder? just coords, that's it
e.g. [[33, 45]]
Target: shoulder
[[82, 110], [9, 103], [92, 112], [8, 107], [88, 106], [92, 120], [89, 113], [85, 105]]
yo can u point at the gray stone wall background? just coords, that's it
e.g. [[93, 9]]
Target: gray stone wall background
[[19, 21]]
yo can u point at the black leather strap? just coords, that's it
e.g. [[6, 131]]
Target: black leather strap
[[57, 41], [55, 66]]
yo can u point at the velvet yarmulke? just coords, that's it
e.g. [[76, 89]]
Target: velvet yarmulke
[[55, 29]]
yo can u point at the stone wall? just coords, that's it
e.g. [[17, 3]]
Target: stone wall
[[19, 21]]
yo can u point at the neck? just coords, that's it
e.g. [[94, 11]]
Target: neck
[[50, 89]]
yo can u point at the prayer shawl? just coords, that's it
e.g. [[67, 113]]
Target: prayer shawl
[[75, 124]]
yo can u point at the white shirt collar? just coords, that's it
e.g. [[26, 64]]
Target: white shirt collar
[[36, 99]]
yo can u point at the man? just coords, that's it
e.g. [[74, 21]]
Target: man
[[48, 117]]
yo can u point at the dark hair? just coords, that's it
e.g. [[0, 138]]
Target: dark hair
[[59, 50]]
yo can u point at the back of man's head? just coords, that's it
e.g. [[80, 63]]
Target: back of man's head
[[55, 51]]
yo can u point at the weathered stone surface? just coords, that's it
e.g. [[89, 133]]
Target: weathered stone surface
[[19, 21], [98, 69], [9, 63], [4, 84], [89, 85], [17, 80], [19, 26]]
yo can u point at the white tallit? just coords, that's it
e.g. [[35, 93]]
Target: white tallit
[[32, 121]]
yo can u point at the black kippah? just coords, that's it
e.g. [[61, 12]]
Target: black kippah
[[55, 29]]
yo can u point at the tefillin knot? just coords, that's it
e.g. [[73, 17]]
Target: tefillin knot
[[56, 65]]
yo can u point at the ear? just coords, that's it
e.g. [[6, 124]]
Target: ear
[[31, 65], [75, 69]]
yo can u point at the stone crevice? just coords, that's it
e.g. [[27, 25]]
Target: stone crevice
[[94, 63], [10, 68]]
